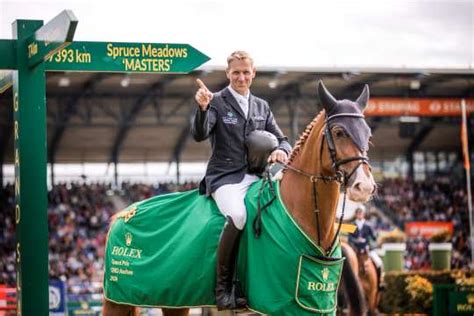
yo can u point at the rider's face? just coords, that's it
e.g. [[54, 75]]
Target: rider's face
[[240, 74]]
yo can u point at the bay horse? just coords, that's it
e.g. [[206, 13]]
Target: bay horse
[[365, 269], [330, 156]]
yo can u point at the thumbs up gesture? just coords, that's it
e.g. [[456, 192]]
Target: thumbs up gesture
[[203, 95]]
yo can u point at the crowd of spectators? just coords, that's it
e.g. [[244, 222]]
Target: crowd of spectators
[[439, 198], [78, 219], [132, 192], [7, 235]]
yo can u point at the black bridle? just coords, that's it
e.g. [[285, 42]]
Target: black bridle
[[340, 176]]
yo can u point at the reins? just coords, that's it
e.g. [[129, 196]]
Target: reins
[[314, 178]]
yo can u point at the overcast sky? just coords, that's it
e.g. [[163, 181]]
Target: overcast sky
[[289, 33]]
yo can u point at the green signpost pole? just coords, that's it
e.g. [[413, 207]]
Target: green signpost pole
[[31, 217], [35, 49]]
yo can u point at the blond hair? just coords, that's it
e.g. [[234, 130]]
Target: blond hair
[[239, 55]]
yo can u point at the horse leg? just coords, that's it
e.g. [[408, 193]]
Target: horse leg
[[351, 282], [175, 311], [372, 293], [113, 309]]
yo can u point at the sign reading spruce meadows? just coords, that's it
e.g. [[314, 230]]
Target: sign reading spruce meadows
[[126, 57], [34, 49]]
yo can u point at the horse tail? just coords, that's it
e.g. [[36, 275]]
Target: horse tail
[[352, 288]]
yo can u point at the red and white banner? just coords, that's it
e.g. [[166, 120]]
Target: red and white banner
[[416, 107], [427, 229]]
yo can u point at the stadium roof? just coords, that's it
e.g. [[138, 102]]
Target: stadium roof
[[107, 117]]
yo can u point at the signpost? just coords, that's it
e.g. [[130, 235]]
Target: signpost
[[37, 48], [58, 33]]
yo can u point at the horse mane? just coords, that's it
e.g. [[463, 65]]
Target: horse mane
[[303, 138]]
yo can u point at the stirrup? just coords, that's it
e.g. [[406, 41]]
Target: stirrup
[[240, 301], [234, 300]]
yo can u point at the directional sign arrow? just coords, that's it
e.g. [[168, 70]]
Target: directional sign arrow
[[51, 37], [126, 57]]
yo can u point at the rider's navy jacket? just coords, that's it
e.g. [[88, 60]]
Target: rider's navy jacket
[[227, 127], [367, 234]]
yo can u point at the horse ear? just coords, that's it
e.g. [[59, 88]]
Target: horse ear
[[326, 99], [363, 99]]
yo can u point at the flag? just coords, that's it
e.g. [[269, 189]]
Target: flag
[[464, 142]]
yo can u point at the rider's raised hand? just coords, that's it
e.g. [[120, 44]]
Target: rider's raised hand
[[203, 95]]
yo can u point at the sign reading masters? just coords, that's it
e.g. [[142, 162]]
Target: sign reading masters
[[126, 57]]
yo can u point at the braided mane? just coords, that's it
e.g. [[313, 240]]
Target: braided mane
[[303, 138]]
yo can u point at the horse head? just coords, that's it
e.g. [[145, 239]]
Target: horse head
[[348, 135], [330, 154]]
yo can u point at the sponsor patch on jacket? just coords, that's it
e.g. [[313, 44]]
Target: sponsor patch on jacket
[[230, 118]]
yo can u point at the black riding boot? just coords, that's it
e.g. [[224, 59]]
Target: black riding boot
[[228, 294], [379, 278]]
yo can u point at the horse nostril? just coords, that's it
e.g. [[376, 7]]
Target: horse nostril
[[364, 188], [374, 190], [357, 187]]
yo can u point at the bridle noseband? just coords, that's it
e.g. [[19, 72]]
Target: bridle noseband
[[340, 176]]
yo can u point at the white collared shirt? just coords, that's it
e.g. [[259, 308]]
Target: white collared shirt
[[360, 223], [242, 100]]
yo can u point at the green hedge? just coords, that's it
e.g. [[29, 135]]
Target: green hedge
[[397, 297]]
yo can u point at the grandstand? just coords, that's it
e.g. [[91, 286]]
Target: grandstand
[[116, 121], [143, 118]]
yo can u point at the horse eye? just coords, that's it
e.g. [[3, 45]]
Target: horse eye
[[339, 133]]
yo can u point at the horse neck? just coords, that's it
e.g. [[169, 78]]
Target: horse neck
[[297, 190]]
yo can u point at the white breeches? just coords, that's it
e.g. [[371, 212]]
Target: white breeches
[[230, 200], [376, 259]]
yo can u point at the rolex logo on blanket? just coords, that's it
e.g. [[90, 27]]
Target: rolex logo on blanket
[[164, 255]]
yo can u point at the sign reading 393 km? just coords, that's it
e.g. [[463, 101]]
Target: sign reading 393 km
[[126, 57]]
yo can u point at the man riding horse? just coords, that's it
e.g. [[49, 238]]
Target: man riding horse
[[228, 117], [290, 263], [361, 240]]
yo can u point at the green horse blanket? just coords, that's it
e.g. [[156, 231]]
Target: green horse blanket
[[162, 253]]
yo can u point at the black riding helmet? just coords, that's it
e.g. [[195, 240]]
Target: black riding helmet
[[260, 144]]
